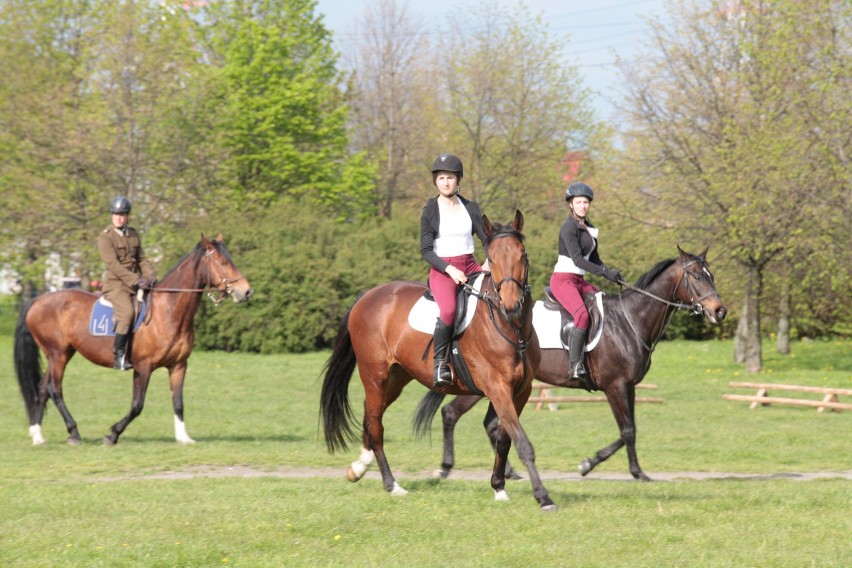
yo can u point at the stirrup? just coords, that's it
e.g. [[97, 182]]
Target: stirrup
[[122, 364], [442, 377]]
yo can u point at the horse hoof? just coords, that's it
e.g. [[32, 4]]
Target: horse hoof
[[552, 508], [398, 491], [186, 441], [585, 467], [72, 441], [501, 495], [108, 441], [352, 476], [440, 474]]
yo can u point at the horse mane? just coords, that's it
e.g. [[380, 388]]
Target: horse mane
[[197, 254], [503, 231], [648, 278]]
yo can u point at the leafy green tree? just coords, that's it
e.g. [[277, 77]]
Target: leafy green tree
[[281, 119], [723, 117]]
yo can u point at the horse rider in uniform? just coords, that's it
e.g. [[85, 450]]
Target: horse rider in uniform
[[127, 270]]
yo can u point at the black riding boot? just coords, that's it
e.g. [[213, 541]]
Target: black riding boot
[[577, 354], [441, 338], [122, 361]]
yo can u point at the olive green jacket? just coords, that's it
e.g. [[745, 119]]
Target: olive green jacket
[[124, 259]]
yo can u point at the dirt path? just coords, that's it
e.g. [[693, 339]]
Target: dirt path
[[471, 475]]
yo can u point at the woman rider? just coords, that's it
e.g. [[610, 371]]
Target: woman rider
[[578, 254], [447, 225]]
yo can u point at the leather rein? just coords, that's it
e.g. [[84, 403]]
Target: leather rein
[[694, 306]]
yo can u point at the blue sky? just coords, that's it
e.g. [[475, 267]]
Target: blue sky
[[593, 32]]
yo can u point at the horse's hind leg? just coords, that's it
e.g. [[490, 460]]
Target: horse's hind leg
[[379, 394], [140, 388], [53, 389]]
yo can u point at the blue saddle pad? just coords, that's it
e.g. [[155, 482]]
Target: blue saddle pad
[[100, 322]]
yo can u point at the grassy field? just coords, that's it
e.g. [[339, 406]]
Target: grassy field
[[97, 506]]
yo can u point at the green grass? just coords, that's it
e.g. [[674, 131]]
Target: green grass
[[97, 506]]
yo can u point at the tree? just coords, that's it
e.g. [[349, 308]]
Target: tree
[[281, 120], [719, 119], [389, 96], [511, 106]]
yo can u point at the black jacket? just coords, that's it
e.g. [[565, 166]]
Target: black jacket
[[430, 222]]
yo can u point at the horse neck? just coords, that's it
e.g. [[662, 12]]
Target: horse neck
[[185, 276], [650, 316], [500, 325]]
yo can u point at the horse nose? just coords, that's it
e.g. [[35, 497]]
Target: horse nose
[[249, 292], [721, 312]]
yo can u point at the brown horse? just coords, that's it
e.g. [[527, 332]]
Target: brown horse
[[56, 323], [499, 347], [635, 322]]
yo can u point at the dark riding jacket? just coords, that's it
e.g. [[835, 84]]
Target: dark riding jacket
[[575, 242], [430, 223]]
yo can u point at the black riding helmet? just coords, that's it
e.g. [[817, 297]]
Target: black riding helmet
[[578, 189], [448, 163], [120, 205]]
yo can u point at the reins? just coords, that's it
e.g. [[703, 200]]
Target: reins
[[495, 303], [226, 282], [694, 306]]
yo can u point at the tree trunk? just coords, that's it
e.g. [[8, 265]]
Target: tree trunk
[[754, 353], [741, 337], [782, 344]]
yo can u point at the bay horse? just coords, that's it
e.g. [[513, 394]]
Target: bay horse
[[57, 324], [635, 321], [499, 347]]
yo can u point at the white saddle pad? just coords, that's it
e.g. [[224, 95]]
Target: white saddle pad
[[547, 322], [424, 312]]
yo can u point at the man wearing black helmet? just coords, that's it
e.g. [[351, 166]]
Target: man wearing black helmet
[[127, 270], [447, 226], [578, 254]]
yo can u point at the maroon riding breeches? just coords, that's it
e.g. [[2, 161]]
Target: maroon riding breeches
[[444, 289], [569, 290]]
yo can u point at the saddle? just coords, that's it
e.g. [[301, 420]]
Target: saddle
[[101, 317], [461, 301], [567, 320]]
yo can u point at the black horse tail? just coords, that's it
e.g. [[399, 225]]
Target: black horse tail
[[336, 412], [27, 362], [421, 424]]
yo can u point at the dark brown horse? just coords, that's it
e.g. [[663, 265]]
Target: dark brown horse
[[499, 347], [57, 324], [635, 321]]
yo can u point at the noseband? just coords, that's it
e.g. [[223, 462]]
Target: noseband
[[694, 306], [226, 282], [522, 285]]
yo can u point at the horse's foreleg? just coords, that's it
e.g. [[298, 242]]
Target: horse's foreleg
[[54, 391], [450, 414], [177, 373], [622, 404], [508, 411], [492, 428], [140, 388]]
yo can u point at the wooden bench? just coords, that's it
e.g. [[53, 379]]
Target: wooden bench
[[762, 398], [545, 396]]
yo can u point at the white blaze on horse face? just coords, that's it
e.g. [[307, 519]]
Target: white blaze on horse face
[[180, 432], [35, 434]]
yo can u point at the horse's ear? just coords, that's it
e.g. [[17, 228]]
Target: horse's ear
[[487, 226], [681, 252], [220, 238], [519, 221], [703, 255], [207, 243]]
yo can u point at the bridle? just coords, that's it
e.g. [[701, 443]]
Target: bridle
[[224, 294], [694, 306], [495, 304]]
